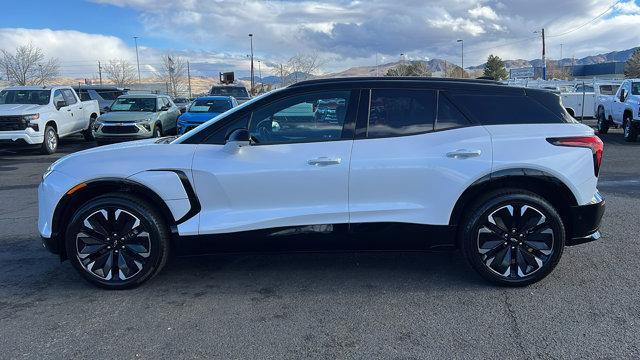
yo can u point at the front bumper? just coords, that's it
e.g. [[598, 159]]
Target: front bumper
[[20, 138], [584, 221]]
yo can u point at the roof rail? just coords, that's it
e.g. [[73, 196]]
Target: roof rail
[[393, 78]]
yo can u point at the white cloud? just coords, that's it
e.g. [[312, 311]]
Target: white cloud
[[483, 12]]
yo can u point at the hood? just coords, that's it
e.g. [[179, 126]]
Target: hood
[[125, 116], [197, 117], [19, 109]]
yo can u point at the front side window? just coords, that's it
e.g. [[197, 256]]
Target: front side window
[[57, 97], [398, 112], [635, 88], [311, 117], [134, 104]]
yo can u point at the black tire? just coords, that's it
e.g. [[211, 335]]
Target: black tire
[[630, 129], [157, 131], [88, 132], [117, 226], [50, 141], [603, 123], [536, 245]]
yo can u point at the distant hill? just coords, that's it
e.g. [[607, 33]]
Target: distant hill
[[437, 67], [614, 56]]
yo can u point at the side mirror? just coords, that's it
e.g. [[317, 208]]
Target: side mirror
[[164, 108], [60, 104], [622, 94], [183, 110], [106, 109], [238, 138]]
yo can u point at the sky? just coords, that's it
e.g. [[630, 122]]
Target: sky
[[213, 34]]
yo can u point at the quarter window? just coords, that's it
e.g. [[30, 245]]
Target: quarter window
[[397, 112], [498, 109], [311, 117]]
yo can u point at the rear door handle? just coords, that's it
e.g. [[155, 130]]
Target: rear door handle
[[464, 154], [324, 161]]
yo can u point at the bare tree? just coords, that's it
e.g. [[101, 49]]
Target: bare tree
[[299, 67], [173, 72], [120, 72], [454, 71], [28, 66]]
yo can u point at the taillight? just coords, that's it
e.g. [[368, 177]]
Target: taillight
[[592, 142]]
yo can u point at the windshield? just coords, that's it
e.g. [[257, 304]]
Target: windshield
[[210, 106], [35, 97], [635, 88], [235, 91], [134, 104]]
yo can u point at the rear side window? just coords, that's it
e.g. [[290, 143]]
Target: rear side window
[[449, 116], [69, 97], [398, 112], [501, 109]]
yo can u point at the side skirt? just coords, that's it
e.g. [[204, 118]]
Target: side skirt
[[324, 238]]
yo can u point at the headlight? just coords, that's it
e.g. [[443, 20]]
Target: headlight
[[143, 120], [31, 117]]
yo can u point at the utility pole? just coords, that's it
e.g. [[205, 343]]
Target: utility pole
[[561, 51], [544, 58], [100, 71], [260, 75], [252, 80], [189, 78], [461, 55], [282, 75], [135, 38]]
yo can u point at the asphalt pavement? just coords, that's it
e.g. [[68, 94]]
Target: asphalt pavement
[[329, 306]]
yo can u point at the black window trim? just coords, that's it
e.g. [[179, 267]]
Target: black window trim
[[349, 121]]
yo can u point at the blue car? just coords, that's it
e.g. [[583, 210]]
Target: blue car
[[203, 109]]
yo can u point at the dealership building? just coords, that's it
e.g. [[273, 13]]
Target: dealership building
[[605, 71]]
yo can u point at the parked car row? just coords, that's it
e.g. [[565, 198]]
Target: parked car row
[[38, 117]]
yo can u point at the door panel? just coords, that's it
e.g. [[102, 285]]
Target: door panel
[[64, 120], [415, 179], [296, 172], [271, 185]]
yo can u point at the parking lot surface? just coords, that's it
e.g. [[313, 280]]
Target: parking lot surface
[[347, 305]]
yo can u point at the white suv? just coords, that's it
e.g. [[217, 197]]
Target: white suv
[[502, 173]]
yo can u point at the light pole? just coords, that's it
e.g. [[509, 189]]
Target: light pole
[[252, 80], [461, 55], [135, 39]]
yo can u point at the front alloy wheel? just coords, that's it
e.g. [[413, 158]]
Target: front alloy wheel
[[113, 244], [117, 241], [512, 237]]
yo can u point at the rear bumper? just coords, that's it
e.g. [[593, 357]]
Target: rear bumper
[[585, 221]]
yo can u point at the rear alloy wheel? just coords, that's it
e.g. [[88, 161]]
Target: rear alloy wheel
[[603, 124], [117, 241], [630, 130], [513, 238], [50, 142]]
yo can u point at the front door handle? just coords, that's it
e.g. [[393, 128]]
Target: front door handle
[[464, 154], [324, 161]]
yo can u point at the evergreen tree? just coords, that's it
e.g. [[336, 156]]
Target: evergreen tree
[[632, 66], [495, 68]]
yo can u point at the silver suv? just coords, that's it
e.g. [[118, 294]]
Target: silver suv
[[140, 116]]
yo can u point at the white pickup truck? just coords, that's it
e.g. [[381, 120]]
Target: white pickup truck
[[622, 109], [582, 101], [39, 116]]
